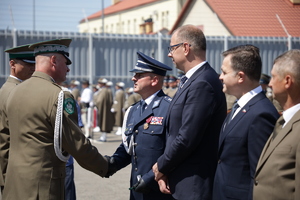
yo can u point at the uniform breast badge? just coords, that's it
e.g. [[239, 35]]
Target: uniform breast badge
[[146, 125]]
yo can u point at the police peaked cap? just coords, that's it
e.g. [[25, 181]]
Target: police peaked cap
[[147, 64]]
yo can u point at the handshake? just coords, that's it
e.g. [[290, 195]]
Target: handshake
[[140, 186], [112, 166]]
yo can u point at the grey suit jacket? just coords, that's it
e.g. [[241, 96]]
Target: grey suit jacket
[[278, 170]]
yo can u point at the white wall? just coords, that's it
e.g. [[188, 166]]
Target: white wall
[[164, 14], [201, 14]]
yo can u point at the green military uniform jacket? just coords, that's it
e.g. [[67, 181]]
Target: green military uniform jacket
[[5, 90], [34, 171]]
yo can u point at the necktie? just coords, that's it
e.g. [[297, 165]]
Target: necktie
[[182, 81], [278, 126], [234, 107], [144, 104]]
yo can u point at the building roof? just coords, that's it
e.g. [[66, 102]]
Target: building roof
[[258, 18], [253, 18], [118, 7]]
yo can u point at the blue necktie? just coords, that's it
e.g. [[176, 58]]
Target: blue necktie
[[182, 81], [234, 107], [143, 106]]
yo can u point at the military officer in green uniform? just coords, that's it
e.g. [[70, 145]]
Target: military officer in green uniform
[[22, 65], [44, 129]]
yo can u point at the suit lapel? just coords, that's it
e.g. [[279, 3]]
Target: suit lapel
[[196, 74], [226, 129], [272, 144]]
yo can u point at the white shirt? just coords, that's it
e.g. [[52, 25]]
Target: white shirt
[[192, 71], [16, 78], [86, 95], [289, 113], [149, 99], [246, 98]]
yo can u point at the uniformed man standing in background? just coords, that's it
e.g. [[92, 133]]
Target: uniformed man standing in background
[[118, 105], [173, 86], [143, 130], [103, 102], [43, 122], [22, 65]]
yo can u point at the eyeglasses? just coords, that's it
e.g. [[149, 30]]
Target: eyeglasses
[[173, 47]]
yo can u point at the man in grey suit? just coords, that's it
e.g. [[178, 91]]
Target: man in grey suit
[[22, 65], [277, 173]]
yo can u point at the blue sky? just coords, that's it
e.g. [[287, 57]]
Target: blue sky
[[53, 15]]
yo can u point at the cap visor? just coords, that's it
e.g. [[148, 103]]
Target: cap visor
[[69, 62], [138, 71], [29, 61]]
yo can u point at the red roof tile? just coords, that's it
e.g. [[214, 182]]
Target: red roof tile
[[258, 18], [120, 6]]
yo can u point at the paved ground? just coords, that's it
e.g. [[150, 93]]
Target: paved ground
[[90, 186]]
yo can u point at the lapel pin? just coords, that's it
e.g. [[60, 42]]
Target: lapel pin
[[244, 110]]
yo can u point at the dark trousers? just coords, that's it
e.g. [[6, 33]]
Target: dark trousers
[[70, 193]]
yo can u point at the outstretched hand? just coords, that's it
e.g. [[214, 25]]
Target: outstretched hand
[[112, 166]]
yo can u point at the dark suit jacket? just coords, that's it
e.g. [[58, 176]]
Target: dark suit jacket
[[241, 142], [195, 117], [278, 170]]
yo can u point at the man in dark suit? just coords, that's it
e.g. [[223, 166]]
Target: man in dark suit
[[277, 173], [194, 120], [246, 128], [22, 65], [143, 130]]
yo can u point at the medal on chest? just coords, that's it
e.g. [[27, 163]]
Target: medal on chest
[[146, 125]]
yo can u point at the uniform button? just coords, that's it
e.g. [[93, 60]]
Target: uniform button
[[135, 169], [152, 131], [135, 157], [256, 182], [136, 131], [219, 161]]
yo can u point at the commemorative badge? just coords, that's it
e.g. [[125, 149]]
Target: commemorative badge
[[69, 105]]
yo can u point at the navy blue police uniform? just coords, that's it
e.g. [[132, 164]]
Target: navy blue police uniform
[[144, 136], [148, 131]]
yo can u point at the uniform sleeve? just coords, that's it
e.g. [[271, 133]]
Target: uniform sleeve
[[76, 144]]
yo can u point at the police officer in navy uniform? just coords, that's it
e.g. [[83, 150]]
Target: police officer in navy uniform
[[143, 130]]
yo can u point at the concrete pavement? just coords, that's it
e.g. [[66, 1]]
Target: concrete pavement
[[90, 186]]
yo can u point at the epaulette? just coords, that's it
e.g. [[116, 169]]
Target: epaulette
[[167, 98]]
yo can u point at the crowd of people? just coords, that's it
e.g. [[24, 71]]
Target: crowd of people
[[201, 135]]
